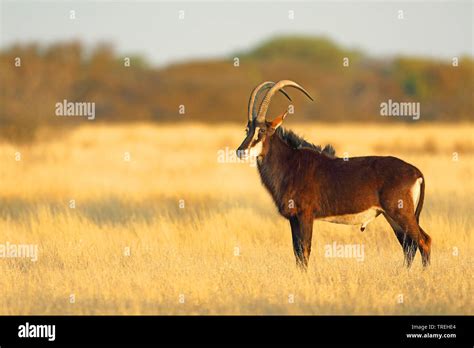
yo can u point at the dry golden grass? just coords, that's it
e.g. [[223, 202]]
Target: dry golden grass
[[190, 251]]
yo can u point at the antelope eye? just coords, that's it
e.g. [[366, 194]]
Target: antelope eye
[[261, 130]]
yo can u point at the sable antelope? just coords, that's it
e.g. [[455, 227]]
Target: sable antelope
[[308, 183]]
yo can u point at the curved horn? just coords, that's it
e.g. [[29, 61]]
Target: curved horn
[[252, 109], [268, 97]]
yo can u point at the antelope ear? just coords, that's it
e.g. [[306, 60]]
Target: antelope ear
[[277, 122]]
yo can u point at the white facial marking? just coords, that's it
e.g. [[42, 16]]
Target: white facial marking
[[257, 149], [255, 134]]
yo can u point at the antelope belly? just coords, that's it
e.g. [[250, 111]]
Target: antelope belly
[[362, 218]]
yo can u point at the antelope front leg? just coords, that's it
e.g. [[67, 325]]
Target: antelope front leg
[[302, 233]]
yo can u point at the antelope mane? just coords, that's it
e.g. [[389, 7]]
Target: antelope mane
[[297, 142]]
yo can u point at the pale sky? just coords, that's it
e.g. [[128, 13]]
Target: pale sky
[[439, 29]]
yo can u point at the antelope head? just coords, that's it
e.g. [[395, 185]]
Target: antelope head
[[258, 127]]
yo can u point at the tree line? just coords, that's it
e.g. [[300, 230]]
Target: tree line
[[348, 85]]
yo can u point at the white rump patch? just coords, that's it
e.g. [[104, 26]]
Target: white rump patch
[[415, 191]]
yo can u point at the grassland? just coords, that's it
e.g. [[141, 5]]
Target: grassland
[[184, 216]]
